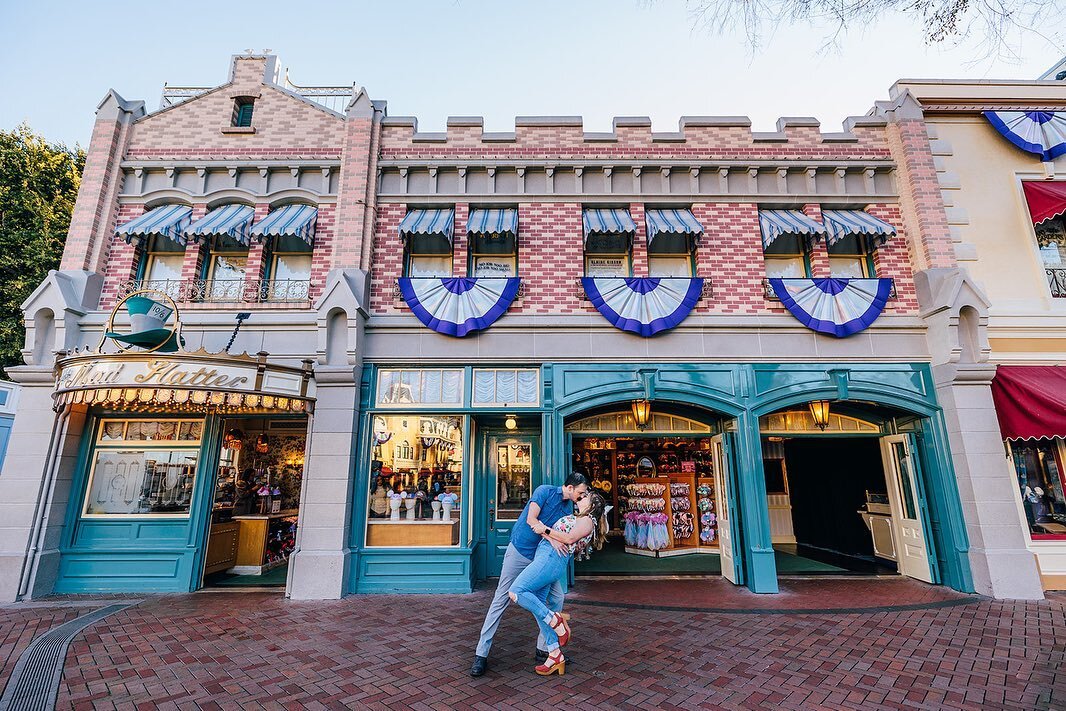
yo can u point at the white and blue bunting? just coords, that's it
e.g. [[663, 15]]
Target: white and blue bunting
[[459, 306], [838, 307], [1040, 132], [643, 305]]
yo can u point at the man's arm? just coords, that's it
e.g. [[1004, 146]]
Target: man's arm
[[533, 518]]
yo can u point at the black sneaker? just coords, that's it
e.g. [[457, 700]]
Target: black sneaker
[[479, 666]]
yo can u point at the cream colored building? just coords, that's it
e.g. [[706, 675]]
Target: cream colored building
[[981, 175]]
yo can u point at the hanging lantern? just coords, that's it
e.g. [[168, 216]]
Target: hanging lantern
[[820, 413], [642, 413], [233, 440], [262, 444]]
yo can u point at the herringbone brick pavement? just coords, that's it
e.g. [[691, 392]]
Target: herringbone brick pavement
[[258, 650]]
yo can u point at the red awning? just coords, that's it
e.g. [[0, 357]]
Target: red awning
[[1030, 401], [1046, 199]]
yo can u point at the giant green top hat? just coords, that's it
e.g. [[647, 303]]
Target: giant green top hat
[[148, 320]]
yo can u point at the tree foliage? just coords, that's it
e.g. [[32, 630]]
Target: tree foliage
[[998, 25], [38, 185]]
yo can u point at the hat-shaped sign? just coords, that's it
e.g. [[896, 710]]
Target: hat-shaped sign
[[148, 323]]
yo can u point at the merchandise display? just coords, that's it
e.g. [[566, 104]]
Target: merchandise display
[[708, 518], [655, 485]]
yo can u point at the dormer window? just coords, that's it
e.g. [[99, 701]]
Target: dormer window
[[242, 111]]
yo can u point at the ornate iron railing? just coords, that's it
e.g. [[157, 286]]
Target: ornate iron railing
[[226, 290], [769, 293], [1056, 279]]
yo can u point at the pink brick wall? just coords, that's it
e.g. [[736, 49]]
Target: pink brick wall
[[920, 198], [551, 258]]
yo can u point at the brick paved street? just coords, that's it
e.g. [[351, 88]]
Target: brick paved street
[[248, 650]]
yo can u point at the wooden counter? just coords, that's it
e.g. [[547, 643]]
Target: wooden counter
[[386, 532], [222, 544], [251, 546]]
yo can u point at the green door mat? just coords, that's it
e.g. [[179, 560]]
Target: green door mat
[[275, 577]]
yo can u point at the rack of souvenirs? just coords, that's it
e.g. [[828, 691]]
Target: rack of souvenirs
[[614, 463], [705, 509]]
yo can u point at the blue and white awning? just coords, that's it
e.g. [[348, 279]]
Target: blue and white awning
[[233, 221], [838, 307], [456, 306], [290, 220], [607, 221], [844, 223], [643, 305], [168, 221], [1040, 132], [438, 221], [678, 222], [493, 222], [775, 223]]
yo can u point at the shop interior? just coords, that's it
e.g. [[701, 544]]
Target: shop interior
[[826, 493], [256, 502]]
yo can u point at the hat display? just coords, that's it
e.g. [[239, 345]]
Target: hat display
[[148, 319]]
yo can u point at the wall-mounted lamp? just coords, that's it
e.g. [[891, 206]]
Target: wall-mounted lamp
[[820, 413], [642, 413], [511, 422]]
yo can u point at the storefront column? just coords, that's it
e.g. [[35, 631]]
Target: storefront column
[[760, 567], [35, 487], [319, 567], [956, 312]]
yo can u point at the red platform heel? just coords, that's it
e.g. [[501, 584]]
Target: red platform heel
[[554, 664], [559, 625]]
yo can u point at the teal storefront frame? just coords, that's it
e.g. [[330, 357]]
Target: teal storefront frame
[[137, 554], [739, 394]]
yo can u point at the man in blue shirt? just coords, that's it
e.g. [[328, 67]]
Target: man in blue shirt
[[547, 505]]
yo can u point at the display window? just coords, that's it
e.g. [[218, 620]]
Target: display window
[[415, 480], [786, 258], [424, 386], [608, 255], [1038, 465], [226, 268], [143, 468], [505, 387]]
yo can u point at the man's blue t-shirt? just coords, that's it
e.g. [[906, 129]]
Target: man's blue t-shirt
[[552, 508]]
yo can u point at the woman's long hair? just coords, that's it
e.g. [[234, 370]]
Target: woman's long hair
[[598, 512]]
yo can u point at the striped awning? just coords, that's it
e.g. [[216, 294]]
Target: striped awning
[[226, 221], [494, 221], [290, 220], [775, 223], [844, 223], [168, 221], [607, 221], [677, 222], [428, 222]]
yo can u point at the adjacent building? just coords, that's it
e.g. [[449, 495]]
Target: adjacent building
[[296, 340]]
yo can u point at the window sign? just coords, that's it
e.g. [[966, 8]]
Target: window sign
[[494, 267], [426, 386], [607, 266]]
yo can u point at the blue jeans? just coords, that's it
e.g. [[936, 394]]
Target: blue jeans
[[532, 585], [513, 565]]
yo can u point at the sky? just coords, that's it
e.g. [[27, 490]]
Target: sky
[[433, 59]]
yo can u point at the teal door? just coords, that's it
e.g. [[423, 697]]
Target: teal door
[[512, 471]]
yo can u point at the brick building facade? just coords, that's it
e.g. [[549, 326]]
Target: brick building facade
[[739, 359]]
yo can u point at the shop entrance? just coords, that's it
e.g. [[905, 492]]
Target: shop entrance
[[513, 471], [844, 500], [670, 487], [255, 502]]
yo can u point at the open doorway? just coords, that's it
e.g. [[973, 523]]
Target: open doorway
[[255, 508]]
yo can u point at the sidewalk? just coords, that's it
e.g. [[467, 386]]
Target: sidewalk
[[256, 649]]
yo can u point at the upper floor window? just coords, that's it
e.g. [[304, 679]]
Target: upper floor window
[[242, 111], [427, 238], [787, 258], [1047, 208], [288, 233], [161, 265], [673, 235], [493, 242], [850, 257], [608, 242]]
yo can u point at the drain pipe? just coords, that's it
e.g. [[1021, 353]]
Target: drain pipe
[[41, 509]]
